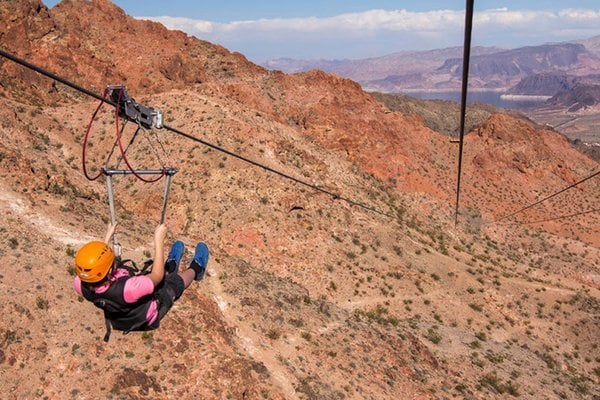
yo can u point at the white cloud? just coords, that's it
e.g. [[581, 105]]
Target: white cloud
[[396, 20], [421, 30], [516, 19], [580, 14], [192, 26]]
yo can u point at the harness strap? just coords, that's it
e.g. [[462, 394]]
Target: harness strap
[[108, 329]]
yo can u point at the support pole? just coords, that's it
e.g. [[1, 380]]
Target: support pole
[[166, 197], [463, 98], [113, 218]]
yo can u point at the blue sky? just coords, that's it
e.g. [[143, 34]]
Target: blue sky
[[336, 29]]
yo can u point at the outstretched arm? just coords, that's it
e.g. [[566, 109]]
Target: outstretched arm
[[158, 267], [110, 232]]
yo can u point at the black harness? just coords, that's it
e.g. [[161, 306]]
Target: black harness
[[118, 313]]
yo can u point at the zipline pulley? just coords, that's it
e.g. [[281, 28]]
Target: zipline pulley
[[128, 108]]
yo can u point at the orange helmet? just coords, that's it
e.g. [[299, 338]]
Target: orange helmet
[[93, 261]]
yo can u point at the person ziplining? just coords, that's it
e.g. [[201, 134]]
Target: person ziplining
[[133, 300]]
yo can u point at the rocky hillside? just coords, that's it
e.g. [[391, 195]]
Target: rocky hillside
[[307, 297], [581, 96], [592, 45], [507, 65], [551, 84], [543, 85], [572, 107], [439, 115]]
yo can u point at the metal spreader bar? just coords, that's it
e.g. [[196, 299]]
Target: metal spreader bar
[[169, 171], [109, 172]]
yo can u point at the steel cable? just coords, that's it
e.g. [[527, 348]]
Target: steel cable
[[181, 133]]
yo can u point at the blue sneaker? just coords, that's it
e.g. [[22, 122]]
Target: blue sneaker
[[200, 260], [174, 257]]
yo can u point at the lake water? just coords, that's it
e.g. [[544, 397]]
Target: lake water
[[493, 98]]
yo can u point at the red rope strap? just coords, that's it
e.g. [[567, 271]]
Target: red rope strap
[[123, 151], [85, 140]]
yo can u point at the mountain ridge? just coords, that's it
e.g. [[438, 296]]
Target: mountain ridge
[[440, 69]]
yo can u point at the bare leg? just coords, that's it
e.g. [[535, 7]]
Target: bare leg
[[188, 276]]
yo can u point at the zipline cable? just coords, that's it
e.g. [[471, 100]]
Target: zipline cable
[[463, 97], [548, 197], [186, 135], [282, 174], [55, 77], [594, 210]]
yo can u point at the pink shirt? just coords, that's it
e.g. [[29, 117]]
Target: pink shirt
[[135, 288]]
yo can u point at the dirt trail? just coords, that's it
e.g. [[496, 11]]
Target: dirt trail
[[248, 340], [11, 201]]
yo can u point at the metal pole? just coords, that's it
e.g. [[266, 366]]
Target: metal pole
[[463, 98], [113, 218], [166, 198]]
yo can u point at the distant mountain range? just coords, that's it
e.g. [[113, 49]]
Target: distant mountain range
[[490, 69]]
